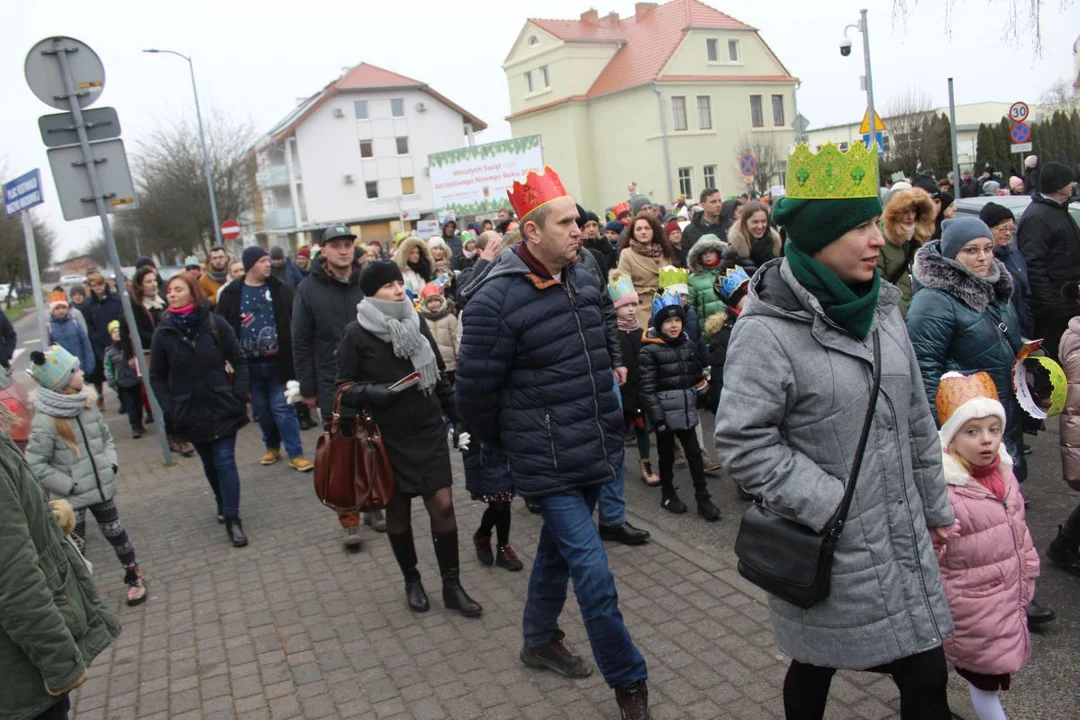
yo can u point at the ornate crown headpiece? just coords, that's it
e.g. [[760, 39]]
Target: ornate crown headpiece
[[733, 279], [620, 287], [831, 174], [539, 189], [622, 207], [673, 277], [665, 299]]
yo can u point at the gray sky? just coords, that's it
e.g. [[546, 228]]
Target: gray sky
[[255, 59]]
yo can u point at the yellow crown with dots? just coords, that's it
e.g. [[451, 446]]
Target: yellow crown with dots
[[832, 174]]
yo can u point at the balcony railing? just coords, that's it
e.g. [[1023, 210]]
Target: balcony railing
[[272, 176], [280, 218]]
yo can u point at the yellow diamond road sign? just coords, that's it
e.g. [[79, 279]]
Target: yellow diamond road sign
[[864, 129]]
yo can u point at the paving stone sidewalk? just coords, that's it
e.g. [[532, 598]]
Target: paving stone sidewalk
[[293, 627]]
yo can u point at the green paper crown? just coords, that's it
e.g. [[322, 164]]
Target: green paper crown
[[831, 174], [671, 275]]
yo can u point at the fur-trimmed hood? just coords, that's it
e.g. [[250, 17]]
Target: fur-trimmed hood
[[957, 475], [401, 255], [742, 243], [899, 204], [933, 270], [693, 257], [715, 322]]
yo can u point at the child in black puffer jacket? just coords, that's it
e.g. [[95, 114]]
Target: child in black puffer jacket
[[671, 378], [731, 289]]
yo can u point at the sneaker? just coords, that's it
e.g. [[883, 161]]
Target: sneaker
[[633, 701], [555, 657], [482, 543], [648, 476], [672, 503], [707, 510], [352, 540], [301, 464], [270, 457], [508, 559], [375, 520], [136, 587], [713, 468]]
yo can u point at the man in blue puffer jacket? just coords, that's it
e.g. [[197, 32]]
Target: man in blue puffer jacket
[[535, 377]]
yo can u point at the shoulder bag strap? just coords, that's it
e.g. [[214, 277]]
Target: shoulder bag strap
[[836, 525]]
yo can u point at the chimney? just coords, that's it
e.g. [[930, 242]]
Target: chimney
[[642, 9], [612, 17], [590, 16]]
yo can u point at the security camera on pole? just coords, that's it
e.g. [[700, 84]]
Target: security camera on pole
[[88, 162], [845, 50]]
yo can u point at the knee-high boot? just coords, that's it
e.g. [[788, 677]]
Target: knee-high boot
[[454, 596], [405, 551]]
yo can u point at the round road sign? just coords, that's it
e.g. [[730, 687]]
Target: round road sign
[[42, 69], [748, 163], [230, 229], [1018, 112], [1020, 133]]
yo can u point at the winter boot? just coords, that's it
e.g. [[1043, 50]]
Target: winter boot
[[454, 596], [648, 476], [236, 531], [669, 500], [506, 558], [405, 552], [1064, 551], [556, 657], [633, 701], [482, 543], [706, 508]]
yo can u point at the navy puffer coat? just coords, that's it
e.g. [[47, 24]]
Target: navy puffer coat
[[534, 376]]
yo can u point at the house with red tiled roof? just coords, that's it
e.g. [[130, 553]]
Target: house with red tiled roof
[[668, 97], [356, 153]]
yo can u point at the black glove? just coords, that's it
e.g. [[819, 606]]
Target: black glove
[[368, 395]]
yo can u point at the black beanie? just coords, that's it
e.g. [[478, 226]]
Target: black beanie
[[251, 255], [378, 273], [925, 182], [1054, 176], [142, 261], [993, 214]]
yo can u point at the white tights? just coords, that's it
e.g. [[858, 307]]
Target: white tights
[[987, 703]]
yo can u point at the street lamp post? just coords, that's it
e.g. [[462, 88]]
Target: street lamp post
[[202, 141], [862, 27]]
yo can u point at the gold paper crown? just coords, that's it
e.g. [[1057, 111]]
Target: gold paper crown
[[956, 389], [831, 174], [671, 275]]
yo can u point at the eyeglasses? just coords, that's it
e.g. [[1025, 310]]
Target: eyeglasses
[[977, 251]]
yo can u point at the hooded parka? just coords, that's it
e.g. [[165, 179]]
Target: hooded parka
[[82, 478], [796, 389], [898, 253], [703, 298]]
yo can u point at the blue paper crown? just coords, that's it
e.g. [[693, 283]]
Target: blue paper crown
[[621, 287], [732, 281], [668, 298]]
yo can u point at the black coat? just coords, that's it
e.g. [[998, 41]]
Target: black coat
[[605, 254], [718, 345], [8, 340], [1050, 241], [411, 421], [281, 295], [607, 307], [630, 341], [99, 312], [698, 228], [188, 377], [146, 322], [323, 307], [669, 371]]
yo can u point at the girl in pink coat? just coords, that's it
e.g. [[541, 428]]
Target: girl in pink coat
[[988, 561]]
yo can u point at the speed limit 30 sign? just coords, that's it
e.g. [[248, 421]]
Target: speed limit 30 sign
[[1018, 112]]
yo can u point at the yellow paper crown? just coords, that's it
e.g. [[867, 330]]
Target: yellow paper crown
[[831, 174], [671, 275]]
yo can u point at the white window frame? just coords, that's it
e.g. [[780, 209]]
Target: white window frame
[[528, 82], [733, 45], [709, 174], [704, 112], [783, 115], [679, 120], [367, 189], [686, 181], [545, 75], [760, 112], [712, 50], [356, 108], [397, 100]]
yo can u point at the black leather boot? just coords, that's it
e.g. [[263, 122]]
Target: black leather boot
[[454, 596], [405, 552], [236, 531]]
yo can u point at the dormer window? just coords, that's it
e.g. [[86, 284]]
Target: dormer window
[[533, 40]]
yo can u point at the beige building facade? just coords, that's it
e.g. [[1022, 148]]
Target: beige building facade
[[668, 98]]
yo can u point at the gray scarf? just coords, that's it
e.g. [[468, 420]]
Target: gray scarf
[[56, 404], [398, 323], [218, 276]]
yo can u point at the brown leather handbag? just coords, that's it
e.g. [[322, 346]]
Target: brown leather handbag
[[353, 472]]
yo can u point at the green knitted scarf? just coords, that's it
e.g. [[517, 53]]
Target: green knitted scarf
[[849, 306]]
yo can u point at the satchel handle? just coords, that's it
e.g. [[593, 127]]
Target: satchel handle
[[836, 524], [363, 415]]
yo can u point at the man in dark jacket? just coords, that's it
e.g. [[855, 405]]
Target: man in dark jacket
[[260, 311], [1031, 174], [8, 341], [706, 222], [452, 239], [607, 257], [325, 303], [1050, 241], [968, 186], [102, 306], [535, 378], [283, 269]]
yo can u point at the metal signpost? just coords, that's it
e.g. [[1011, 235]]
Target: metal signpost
[[952, 139], [67, 74], [20, 195]]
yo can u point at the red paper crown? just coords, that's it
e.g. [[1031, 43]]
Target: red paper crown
[[539, 189]]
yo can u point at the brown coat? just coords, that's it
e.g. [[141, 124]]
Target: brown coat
[[644, 272], [1069, 424], [210, 287], [896, 257]]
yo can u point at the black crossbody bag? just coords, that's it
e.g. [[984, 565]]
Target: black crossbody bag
[[788, 559]]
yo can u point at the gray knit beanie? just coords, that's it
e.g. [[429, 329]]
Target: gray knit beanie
[[958, 232]]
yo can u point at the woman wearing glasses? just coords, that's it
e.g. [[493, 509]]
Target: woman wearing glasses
[[1002, 224]]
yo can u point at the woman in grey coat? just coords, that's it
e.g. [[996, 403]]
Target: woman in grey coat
[[797, 383]]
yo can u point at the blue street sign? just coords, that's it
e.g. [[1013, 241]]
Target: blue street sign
[[1020, 133], [23, 193], [879, 138]]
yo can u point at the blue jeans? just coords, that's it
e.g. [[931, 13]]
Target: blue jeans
[[570, 549], [612, 495], [219, 464], [276, 417]]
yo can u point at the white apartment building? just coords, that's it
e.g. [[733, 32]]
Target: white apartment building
[[356, 153]]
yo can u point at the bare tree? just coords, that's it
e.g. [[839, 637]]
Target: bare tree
[[908, 113], [1020, 18], [174, 206], [771, 159], [1060, 96]]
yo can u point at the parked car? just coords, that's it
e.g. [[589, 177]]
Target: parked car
[[7, 292], [1016, 203], [68, 280], [17, 400]]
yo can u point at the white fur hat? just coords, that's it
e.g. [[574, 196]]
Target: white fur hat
[[962, 398], [437, 241]]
